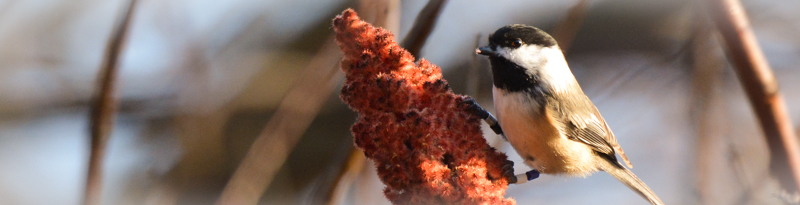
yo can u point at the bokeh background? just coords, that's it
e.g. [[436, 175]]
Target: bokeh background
[[199, 80]]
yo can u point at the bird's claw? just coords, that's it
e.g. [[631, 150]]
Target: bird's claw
[[508, 172], [476, 109], [481, 113]]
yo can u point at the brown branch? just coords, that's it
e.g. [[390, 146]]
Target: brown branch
[[104, 105], [348, 173], [283, 131], [423, 26], [473, 74], [565, 31], [383, 13], [762, 89]]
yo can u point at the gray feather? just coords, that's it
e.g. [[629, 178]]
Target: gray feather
[[582, 122]]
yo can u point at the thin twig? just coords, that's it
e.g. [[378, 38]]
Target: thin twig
[[381, 13], [103, 108], [473, 74], [565, 31], [761, 87], [423, 26], [348, 173]]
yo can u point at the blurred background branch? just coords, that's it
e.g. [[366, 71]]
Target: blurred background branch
[[104, 106], [758, 80], [422, 27], [565, 31], [347, 175]]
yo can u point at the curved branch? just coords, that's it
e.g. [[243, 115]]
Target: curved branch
[[762, 89], [104, 106]]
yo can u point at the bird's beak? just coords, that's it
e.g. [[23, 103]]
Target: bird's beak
[[486, 50]]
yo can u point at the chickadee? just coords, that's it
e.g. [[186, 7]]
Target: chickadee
[[544, 114]]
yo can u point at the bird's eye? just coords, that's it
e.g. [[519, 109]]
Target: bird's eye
[[516, 43]]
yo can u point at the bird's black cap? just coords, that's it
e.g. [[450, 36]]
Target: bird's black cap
[[506, 35]]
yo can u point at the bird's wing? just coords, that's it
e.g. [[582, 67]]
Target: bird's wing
[[586, 125], [612, 140]]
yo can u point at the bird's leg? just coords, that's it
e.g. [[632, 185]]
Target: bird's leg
[[528, 176], [477, 110], [508, 174]]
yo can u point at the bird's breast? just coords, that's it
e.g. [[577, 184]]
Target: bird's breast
[[533, 134]]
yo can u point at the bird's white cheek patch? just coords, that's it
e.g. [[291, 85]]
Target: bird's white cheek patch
[[527, 56], [546, 62]]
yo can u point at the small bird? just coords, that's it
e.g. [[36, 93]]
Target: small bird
[[544, 114]]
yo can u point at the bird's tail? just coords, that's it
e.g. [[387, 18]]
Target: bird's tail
[[629, 179]]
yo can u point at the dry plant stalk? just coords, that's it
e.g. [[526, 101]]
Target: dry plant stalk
[[348, 173], [423, 26], [762, 89], [104, 105], [294, 114], [427, 147], [565, 31]]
